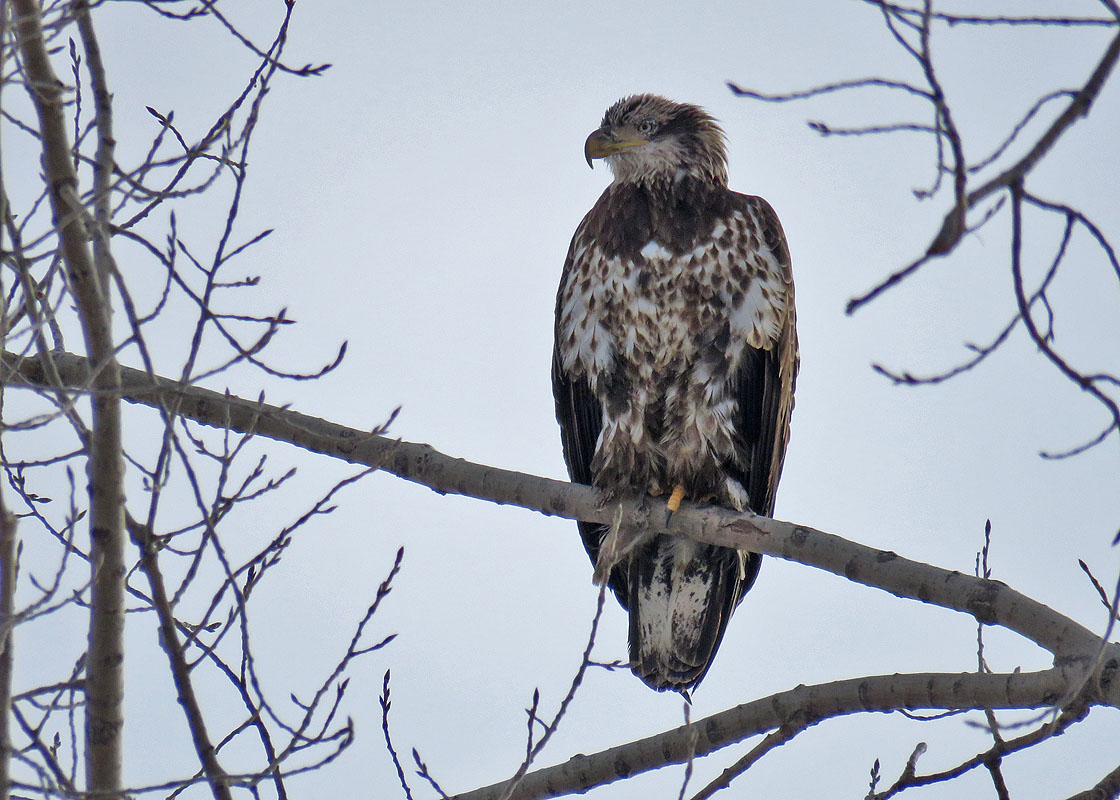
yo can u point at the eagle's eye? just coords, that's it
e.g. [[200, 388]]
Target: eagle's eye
[[647, 127]]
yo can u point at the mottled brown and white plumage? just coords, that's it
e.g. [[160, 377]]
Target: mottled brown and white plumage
[[674, 366]]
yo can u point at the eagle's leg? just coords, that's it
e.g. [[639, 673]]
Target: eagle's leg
[[674, 502]]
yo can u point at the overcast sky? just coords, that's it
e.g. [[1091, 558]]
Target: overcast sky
[[424, 191]]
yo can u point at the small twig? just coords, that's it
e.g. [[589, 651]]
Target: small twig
[[423, 771], [1024, 310], [771, 741], [1018, 128], [893, 279], [550, 728], [1105, 600], [828, 88], [692, 752], [385, 705]]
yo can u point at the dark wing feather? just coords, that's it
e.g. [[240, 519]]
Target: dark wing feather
[[581, 418], [765, 383]]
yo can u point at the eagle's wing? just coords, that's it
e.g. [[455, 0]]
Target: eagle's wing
[[764, 382], [581, 419]]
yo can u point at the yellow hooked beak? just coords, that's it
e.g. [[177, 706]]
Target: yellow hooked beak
[[601, 144]]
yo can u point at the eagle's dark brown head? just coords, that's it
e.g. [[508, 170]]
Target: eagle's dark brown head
[[650, 139]]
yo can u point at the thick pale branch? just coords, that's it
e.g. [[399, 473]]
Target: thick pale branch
[[800, 707], [105, 468], [989, 602]]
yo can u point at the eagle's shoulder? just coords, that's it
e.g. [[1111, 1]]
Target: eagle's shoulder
[[766, 226]]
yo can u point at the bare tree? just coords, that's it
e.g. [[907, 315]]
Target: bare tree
[[76, 242], [131, 547]]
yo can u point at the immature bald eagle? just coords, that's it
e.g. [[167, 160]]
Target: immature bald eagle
[[674, 368]]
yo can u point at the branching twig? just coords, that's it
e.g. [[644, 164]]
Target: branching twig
[[771, 741], [184, 687], [534, 749], [386, 703], [992, 756]]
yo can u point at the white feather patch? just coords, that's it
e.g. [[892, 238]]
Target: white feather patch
[[654, 251], [672, 606]]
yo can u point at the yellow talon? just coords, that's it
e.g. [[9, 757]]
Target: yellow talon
[[675, 498]]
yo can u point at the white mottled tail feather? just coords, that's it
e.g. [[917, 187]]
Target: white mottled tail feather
[[679, 605]]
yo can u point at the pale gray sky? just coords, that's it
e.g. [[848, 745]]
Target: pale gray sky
[[424, 191]]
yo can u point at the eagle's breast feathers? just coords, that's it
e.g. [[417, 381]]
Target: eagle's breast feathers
[[660, 330]]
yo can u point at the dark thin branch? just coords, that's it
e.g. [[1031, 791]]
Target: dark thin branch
[[1079, 106], [1110, 604], [995, 20], [891, 280], [991, 756], [911, 127], [550, 728], [982, 352], [1024, 311], [423, 771], [216, 777], [771, 741], [386, 704], [305, 71], [828, 88], [1019, 126]]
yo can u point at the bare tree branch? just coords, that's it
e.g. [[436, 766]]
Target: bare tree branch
[[772, 740], [169, 637], [800, 707], [1079, 106], [952, 228], [533, 749], [989, 758], [88, 281], [987, 601]]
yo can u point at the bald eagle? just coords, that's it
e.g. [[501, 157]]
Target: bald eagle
[[673, 370]]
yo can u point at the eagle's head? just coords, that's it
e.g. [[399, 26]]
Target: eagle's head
[[650, 139]]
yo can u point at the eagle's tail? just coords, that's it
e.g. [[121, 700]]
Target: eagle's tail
[[681, 595]]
